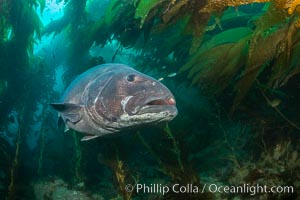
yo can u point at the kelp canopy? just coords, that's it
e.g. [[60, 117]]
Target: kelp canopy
[[222, 46], [20, 26], [214, 49], [242, 55]]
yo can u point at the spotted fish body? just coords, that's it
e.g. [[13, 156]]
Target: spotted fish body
[[113, 97]]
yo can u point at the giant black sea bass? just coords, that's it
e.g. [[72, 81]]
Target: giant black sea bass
[[109, 98]]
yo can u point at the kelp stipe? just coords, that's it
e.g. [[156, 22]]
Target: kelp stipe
[[14, 170], [78, 176], [125, 182], [181, 172]]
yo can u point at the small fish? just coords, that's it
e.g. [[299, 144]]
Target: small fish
[[113, 97], [275, 102], [172, 75]]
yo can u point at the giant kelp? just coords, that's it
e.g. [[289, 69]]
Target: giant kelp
[[170, 12], [260, 52], [19, 24], [6, 156], [133, 22], [23, 76], [246, 55], [270, 44], [264, 48], [277, 27]]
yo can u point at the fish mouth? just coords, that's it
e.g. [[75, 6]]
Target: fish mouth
[[159, 104]]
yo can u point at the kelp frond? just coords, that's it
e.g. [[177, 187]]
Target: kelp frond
[[292, 6], [4, 17], [272, 45], [199, 12], [219, 5], [19, 20], [170, 12], [270, 41], [143, 8], [219, 59], [260, 53]]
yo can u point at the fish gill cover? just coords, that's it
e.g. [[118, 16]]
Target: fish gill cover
[[233, 67]]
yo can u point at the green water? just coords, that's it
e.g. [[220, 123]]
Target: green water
[[232, 66]]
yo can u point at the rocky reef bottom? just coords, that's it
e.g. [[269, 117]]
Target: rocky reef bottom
[[57, 189]]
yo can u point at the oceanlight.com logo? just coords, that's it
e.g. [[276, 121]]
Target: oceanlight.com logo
[[212, 188], [250, 189]]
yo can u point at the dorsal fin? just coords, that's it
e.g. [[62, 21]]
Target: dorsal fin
[[69, 111], [62, 107]]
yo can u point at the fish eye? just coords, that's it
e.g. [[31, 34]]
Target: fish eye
[[130, 78]]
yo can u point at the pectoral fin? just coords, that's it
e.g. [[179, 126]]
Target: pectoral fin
[[66, 128], [60, 121], [89, 137], [69, 111]]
